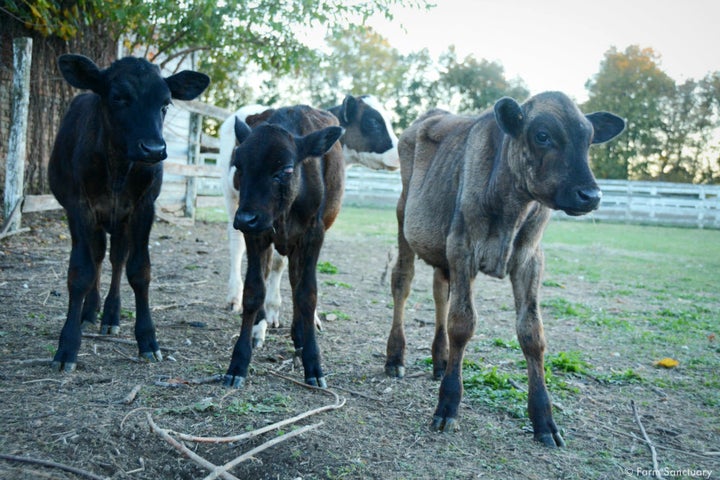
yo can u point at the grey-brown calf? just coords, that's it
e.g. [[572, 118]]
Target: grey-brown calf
[[477, 195]]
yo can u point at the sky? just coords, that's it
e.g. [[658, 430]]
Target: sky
[[559, 44]]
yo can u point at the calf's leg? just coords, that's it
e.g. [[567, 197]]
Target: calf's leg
[[118, 256], [236, 243], [252, 298], [97, 244], [303, 274], [273, 301], [138, 275], [401, 279], [525, 280], [440, 342], [461, 325], [81, 278]]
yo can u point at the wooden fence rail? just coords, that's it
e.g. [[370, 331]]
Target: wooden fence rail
[[625, 201], [656, 203]]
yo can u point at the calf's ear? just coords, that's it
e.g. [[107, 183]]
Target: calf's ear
[[318, 143], [348, 110], [509, 116], [242, 130], [187, 84], [81, 72], [606, 126]]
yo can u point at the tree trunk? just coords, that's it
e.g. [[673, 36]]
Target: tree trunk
[[50, 95]]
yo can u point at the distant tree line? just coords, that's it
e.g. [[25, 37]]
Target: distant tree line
[[255, 53]]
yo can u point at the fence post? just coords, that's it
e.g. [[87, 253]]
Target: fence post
[[193, 159], [15, 164]]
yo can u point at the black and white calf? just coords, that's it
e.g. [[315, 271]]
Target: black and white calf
[[368, 140]]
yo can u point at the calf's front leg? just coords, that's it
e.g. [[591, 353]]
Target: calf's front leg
[[138, 275], [525, 280], [461, 325], [303, 276], [81, 279], [252, 303]]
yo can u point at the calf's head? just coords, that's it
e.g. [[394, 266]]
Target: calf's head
[[547, 145], [134, 98], [268, 162], [369, 139]]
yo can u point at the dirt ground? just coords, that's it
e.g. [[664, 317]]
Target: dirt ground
[[83, 420]]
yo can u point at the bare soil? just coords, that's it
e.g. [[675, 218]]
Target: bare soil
[[82, 419]]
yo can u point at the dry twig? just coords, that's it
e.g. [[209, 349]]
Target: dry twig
[[656, 469], [249, 454], [130, 397], [48, 463], [186, 451]]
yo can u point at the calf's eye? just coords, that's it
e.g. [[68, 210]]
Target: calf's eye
[[283, 175], [542, 138]]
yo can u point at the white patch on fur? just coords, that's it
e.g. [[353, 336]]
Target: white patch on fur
[[258, 334], [273, 300], [388, 160], [235, 239]]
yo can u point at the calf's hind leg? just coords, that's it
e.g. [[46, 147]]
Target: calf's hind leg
[[441, 295], [526, 283], [111, 310], [402, 276]]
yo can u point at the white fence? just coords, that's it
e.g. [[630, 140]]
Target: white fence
[[655, 203]]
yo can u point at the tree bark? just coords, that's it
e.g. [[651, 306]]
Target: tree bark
[[50, 94]]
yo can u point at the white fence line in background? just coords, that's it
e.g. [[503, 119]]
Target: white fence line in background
[[657, 203]]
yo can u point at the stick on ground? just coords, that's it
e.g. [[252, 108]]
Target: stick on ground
[[656, 469], [51, 464]]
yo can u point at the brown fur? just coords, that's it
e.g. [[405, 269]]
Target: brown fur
[[477, 195]]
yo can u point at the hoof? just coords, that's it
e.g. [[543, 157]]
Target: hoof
[[232, 381], [272, 315], [318, 323], [109, 329], [550, 439], [446, 425], [152, 357], [397, 371], [316, 382], [63, 367]]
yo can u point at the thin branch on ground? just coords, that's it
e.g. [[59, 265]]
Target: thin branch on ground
[[339, 402], [51, 464], [359, 394], [703, 455], [170, 306], [130, 397], [656, 469], [124, 341], [251, 453], [186, 451]]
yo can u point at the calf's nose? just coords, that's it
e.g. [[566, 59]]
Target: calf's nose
[[589, 197], [246, 221], [153, 151]]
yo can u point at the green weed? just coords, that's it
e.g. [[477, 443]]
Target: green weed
[[333, 283], [327, 267], [275, 404], [568, 362]]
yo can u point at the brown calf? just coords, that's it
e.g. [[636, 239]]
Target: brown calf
[[477, 195]]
